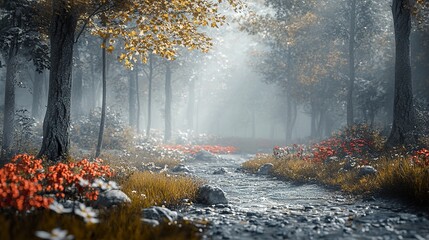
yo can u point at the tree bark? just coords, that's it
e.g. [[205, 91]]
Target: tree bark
[[103, 101], [191, 104], [9, 95], [289, 120], [36, 108], [9, 101], [149, 102], [350, 115], [404, 120], [56, 124], [168, 96], [138, 101], [132, 99], [77, 86]]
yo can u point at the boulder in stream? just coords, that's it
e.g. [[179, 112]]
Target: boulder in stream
[[211, 195], [181, 168], [265, 169], [204, 155], [220, 171]]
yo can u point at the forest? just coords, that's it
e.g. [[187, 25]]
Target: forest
[[161, 117]]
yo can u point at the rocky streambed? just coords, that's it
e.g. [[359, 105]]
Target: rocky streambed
[[261, 207]]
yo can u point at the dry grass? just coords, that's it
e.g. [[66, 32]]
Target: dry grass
[[120, 223], [147, 189], [397, 177]]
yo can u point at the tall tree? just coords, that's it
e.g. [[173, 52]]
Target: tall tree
[[168, 100], [132, 98], [404, 119], [352, 69], [104, 100], [56, 124], [18, 38], [144, 27]]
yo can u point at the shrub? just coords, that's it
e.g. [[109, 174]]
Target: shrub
[[25, 183], [84, 131]]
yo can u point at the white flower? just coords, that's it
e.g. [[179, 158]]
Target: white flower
[[89, 215], [83, 182], [98, 183], [55, 234], [110, 186], [59, 208]]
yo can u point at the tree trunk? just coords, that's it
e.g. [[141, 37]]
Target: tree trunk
[[57, 119], [103, 101], [9, 102], [149, 102], [9, 95], [253, 122], [313, 120], [168, 96], [92, 89], [191, 104], [404, 120], [289, 120], [36, 108], [138, 102], [77, 88], [350, 117], [132, 99]]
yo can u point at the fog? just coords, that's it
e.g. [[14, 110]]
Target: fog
[[242, 86]]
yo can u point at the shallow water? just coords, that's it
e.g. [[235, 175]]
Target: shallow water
[[262, 207]]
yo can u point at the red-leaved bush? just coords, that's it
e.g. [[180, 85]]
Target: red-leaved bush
[[421, 157], [26, 183], [193, 149]]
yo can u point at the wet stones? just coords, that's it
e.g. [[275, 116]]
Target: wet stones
[[204, 155], [211, 195], [181, 168], [367, 171], [155, 215], [220, 171], [265, 169]]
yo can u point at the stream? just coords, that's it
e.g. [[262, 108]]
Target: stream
[[262, 207]]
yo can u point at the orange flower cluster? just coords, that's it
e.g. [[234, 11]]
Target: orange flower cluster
[[421, 158], [25, 182], [193, 149]]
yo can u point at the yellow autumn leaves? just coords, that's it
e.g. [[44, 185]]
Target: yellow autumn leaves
[[159, 27]]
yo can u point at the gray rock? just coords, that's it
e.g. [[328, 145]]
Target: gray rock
[[111, 198], [159, 214], [366, 170], [265, 169], [210, 195], [152, 167], [204, 155], [181, 168], [220, 171], [151, 222]]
